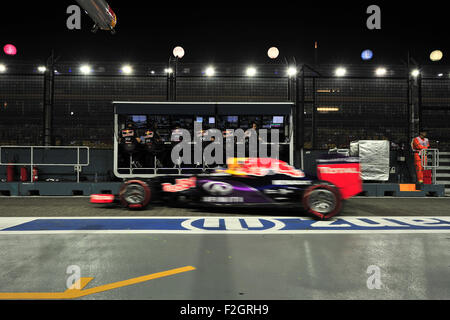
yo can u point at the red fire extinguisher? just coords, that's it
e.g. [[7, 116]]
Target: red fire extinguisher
[[23, 174], [35, 174], [10, 173]]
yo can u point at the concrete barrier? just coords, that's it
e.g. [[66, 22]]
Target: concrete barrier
[[58, 188], [88, 188]]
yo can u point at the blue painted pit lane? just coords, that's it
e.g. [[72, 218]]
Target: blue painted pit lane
[[98, 224], [227, 224]]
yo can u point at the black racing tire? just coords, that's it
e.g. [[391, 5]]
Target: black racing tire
[[135, 194], [323, 200]]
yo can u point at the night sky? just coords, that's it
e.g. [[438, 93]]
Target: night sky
[[228, 31]]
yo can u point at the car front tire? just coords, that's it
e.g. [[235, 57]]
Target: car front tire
[[135, 194]]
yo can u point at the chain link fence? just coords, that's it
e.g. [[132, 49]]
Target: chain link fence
[[435, 114], [360, 105]]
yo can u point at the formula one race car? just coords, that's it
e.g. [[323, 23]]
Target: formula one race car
[[259, 182]]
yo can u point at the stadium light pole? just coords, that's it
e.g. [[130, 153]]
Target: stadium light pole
[[299, 119], [414, 80], [178, 53], [48, 100]]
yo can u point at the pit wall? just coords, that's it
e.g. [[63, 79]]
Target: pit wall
[[98, 178], [100, 168]]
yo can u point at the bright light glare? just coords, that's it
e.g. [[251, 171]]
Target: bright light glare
[[126, 69], [415, 73], [273, 52], [2, 68], [210, 71], [340, 72], [168, 70], [381, 71], [291, 71], [327, 109], [10, 50], [85, 69], [251, 71], [436, 55], [178, 52], [42, 69]]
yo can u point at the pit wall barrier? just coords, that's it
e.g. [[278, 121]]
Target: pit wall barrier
[[88, 188], [98, 177], [100, 167], [402, 190], [58, 188]]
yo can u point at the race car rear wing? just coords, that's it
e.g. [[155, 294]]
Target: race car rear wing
[[344, 172]]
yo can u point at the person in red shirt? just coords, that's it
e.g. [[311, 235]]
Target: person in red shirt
[[417, 144]]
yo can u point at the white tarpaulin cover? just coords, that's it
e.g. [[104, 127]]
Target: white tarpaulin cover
[[374, 158]]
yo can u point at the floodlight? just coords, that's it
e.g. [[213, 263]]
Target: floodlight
[[340, 72], [381, 72], [210, 71], [127, 69], [291, 71], [251, 71], [85, 69]]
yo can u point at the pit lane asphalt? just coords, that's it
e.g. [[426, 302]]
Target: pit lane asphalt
[[230, 266], [80, 207]]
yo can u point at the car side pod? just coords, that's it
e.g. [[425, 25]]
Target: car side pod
[[102, 198], [135, 194]]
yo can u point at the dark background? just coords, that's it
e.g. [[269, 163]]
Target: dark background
[[228, 31]]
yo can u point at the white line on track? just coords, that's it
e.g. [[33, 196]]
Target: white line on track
[[223, 232], [411, 224]]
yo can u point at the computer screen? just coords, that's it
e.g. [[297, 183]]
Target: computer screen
[[278, 119], [199, 119], [232, 119], [212, 120], [139, 120]]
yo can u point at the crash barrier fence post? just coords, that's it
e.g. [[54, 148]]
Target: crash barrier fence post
[[77, 166], [433, 155]]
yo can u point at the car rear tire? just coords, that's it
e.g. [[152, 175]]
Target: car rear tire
[[323, 200], [135, 194]]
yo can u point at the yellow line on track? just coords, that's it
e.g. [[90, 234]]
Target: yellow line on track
[[73, 293]]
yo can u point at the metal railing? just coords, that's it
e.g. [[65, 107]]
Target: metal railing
[[201, 167], [77, 166], [428, 156]]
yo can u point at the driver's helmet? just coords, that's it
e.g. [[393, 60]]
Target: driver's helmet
[[148, 134]]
